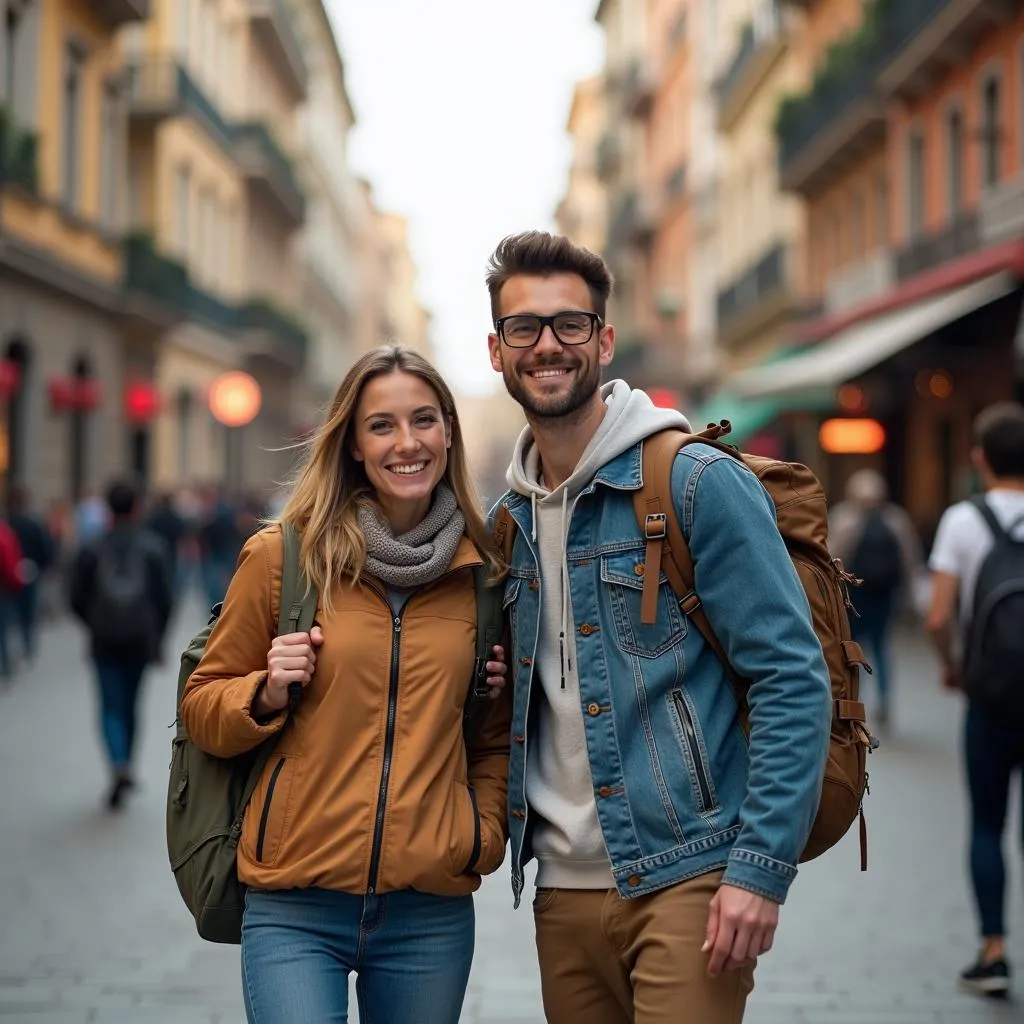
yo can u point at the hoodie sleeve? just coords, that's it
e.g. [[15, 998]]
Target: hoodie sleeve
[[216, 706], [758, 609]]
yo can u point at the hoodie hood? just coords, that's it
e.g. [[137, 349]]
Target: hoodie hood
[[629, 417]]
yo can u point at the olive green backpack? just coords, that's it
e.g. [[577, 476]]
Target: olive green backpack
[[207, 795]]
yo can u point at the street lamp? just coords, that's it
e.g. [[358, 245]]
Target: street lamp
[[234, 399]]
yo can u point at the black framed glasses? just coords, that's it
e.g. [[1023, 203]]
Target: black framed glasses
[[523, 330]]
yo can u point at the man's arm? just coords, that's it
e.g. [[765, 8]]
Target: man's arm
[[939, 623]]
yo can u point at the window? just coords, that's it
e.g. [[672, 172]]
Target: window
[[915, 184], [110, 156], [991, 130], [71, 134], [858, 226], [881, 210], [207, 233], [182, 210], [185, 408], [955, 162]]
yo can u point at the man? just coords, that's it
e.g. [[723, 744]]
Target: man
[[994, 730], [121, 590], [664, 843], [37, 556], [877, 542]]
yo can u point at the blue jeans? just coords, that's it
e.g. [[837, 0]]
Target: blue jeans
[[872, 627], [119, 683], [26, 611], [411, 951], [993, 750]]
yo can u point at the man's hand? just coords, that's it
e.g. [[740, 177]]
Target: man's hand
[[741, 926], [497, 670]]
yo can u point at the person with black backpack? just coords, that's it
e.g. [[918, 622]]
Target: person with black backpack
[[378, 811], [120, 588], [976, 621], [878, 544]]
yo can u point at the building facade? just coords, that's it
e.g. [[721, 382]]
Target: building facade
[[583, 213]]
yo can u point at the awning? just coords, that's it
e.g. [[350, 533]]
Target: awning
[[849, 353], [748, 416]]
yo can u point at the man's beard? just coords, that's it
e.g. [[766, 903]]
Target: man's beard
[[557, 406]]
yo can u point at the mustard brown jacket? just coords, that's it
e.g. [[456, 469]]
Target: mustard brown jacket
[[370, 788]]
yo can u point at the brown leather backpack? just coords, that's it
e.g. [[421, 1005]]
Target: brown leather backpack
[[801, 513]]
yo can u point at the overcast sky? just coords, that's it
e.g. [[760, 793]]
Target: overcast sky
[[461, 108]]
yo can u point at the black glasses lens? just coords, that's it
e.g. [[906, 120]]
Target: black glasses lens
[[573, 328], [521, 331]]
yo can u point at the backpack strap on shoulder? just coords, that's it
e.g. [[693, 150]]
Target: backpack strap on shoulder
[[998, 533], [298, 601], [505, 533], [490, 627]]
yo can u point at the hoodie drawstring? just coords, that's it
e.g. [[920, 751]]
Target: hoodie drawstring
[[563, 654], [533, 516]]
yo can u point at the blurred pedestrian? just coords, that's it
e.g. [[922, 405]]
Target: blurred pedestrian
[[977, 563], [168, 524], [121, 590], [877, 542], [38, 556], [220, 541], [10, 587], [665, 841], [373, 824]]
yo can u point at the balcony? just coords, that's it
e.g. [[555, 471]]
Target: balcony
[[19, 153], [1002, 212], [859, 283], [638, 89], [608, 157], [272, 25], [160, 88], [273, 334], [269, 170], [115, 13], [155, 287], [635, 220], [961, 237], [762, 42], [760, 296], [919, 40], [828, 129]]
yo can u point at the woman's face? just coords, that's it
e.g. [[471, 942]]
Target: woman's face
[[402, 440]]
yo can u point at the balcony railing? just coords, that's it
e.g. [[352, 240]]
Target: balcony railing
[[160, 87], [766, 277], [19, 154], [274, 26], [961, 237], [115, 13], [153, 275], [263, 315], [261, 158], [760, 43], [635, 220]]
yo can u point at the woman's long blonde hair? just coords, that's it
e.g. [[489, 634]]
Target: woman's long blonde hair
[[330, 483]]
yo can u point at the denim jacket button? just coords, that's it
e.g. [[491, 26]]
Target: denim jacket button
[[586, 629], [633, 880], [604, 791], [593, 710], [518, 739], [639, 569]]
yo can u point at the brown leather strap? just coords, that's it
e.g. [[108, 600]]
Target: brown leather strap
[[853, 653], [654, 531], [505, 534], [849, 711], [863, 842]]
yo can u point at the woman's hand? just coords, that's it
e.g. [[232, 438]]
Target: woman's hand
[[291, 659], [497, 671]]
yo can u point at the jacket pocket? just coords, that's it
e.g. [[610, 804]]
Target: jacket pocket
[[624, 572], [268, 817], [464, 842], [695, 752]]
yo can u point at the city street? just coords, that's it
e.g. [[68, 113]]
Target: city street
[[93, 929]]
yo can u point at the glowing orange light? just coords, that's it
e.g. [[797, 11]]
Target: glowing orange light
[[235, 398], [940, 384], [851, 437], [851, 398]]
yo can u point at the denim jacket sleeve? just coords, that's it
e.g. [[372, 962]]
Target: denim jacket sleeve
[[758, 609]]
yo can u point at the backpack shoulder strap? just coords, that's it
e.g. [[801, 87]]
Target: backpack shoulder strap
[[998, 533], [490, 627], [298, 607], [667, 549], [504, 533]]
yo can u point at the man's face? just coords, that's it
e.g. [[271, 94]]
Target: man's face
[[551, 379]]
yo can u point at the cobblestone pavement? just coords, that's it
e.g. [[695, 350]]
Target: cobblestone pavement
[[92, 929]]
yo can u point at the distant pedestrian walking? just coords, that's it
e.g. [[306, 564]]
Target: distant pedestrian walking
[[977, 561], [38, 554], [121, 590], [10, 587], [877, 542]]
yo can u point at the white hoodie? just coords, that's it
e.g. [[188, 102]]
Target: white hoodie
[[567, 837]]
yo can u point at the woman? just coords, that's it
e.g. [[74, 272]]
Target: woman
[[372, 824]]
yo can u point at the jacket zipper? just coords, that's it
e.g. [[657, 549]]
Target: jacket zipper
[[690, 732], [265, 816], [389, 746]]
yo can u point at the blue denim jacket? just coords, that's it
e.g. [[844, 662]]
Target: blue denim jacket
[[679, 788]]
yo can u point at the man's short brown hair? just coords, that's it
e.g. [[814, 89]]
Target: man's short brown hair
[[540, 254], [999, 433]]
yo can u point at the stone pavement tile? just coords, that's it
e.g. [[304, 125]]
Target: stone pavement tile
[[773, 1015], [871, 1015], [49, 1017]]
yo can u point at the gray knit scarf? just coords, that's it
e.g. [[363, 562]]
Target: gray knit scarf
[[420, 556]]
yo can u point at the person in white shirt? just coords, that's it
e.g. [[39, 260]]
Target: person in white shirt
[[994, 741]]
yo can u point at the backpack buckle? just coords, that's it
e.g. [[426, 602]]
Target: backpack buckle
[[655, 526], [480, 687]]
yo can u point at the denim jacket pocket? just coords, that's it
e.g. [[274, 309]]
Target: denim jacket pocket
[[694, 751], [623, 573]]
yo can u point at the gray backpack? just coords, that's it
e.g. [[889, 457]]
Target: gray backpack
[[121, 613]]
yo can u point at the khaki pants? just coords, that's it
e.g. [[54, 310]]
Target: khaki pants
[[606, 960]]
